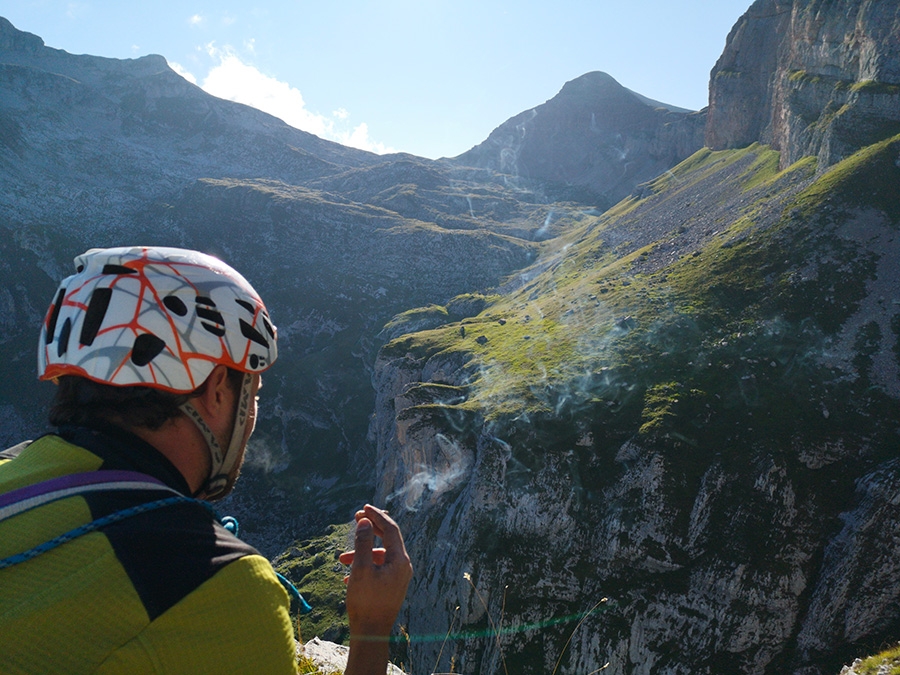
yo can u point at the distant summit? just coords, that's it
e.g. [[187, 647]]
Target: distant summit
[[592, 142]]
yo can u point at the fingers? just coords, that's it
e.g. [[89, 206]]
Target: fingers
[[365, 541], [379, 518], [378, 579], [346, 558], [386, 528], [373, 522]]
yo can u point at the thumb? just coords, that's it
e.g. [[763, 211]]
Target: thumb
[[365, 540]]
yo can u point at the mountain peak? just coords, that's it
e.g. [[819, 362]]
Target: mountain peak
[[595, 141], [591, 82], [13, 39]]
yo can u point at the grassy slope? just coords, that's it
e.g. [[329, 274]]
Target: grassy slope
[[883, 663], [725, 322], [313, 567]]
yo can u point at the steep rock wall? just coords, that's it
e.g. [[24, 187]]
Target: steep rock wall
[[809, 77], [709, 563], [756, 535]]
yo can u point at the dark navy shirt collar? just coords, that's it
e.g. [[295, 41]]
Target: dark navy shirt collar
[[122, 450]]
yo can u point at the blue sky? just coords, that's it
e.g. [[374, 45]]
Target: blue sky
[[428, 77]]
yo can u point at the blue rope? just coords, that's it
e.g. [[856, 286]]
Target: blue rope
[[296, 598], [89, 527], [228, 522]]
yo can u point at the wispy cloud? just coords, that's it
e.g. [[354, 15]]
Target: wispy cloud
[[234, 80], [181, 70], [75, 10], [195, 20]]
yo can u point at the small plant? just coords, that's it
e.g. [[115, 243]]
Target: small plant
[[496, 629], [566, 646], [468, 577], [306, 666]]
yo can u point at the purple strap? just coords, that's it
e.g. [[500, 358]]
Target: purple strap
[[75, 480], [29, 497]]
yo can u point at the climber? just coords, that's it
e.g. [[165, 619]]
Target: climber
[[111, 558]]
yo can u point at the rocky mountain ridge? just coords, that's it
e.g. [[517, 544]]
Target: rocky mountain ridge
[[594, 141]]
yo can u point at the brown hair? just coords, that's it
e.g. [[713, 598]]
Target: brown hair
[[84, 402]]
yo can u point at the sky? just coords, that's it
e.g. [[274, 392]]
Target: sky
[[429, 77]]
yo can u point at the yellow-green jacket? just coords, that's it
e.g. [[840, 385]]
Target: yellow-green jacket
[[164, 591]]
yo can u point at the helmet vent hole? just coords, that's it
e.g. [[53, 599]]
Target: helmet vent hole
[[218, 331], [96, 310], [63, 343], [117, 269], [54, 314], [206, 310], [251, 333], [268, 325], [175, 305], [246, 305], [146, 348]]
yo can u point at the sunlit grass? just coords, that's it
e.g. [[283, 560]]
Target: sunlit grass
[[885, 663]]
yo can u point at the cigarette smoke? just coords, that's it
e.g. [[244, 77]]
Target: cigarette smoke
[[430, 482]]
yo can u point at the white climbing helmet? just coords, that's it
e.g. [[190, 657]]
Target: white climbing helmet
[[153, 316], [158, 317]]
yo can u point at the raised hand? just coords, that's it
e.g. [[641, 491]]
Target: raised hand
[[376, 588]]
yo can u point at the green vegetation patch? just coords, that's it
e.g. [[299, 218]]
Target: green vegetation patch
[[764, 169], [306, 666], [706, 162], [313, 567], [875, 87], [868, 179], [806, 77], [417, 319], [718, 348]]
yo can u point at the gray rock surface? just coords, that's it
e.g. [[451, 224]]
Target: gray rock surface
[[808, 78], [332, 658]]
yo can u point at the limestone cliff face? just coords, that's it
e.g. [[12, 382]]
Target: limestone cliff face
[[808, 77], [711, 568]]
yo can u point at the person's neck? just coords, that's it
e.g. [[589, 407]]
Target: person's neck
[[183, 445]]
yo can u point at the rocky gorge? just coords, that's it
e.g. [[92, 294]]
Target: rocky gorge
[[643, 421]]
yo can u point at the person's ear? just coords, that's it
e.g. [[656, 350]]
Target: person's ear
[[217, 398]]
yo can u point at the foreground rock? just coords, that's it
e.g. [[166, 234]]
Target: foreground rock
[[332, 658]]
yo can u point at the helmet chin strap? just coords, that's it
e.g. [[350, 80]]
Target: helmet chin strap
[[222, 464]]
